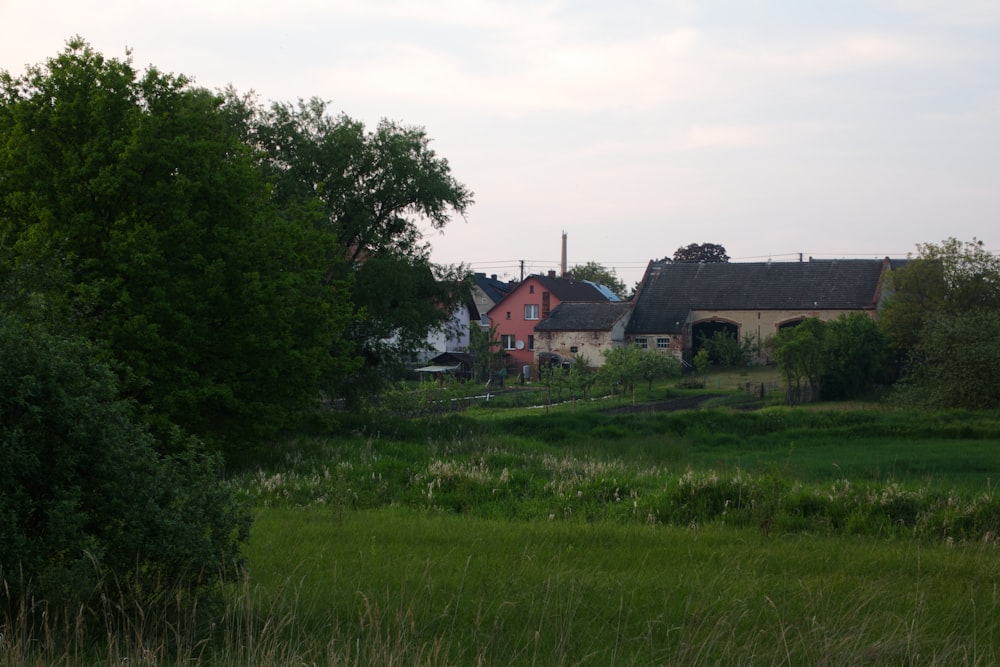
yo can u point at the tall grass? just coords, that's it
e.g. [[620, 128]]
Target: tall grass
[[875, 473], [442, 589], [575, 537], [396, 586]]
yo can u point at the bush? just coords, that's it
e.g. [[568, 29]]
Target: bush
[[956, 362], [87, 505]]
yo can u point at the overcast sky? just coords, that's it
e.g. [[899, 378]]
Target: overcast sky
[[771, 127]]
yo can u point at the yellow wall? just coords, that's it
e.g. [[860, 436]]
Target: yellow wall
[[590, 344]]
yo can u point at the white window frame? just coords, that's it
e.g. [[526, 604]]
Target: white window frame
[[507, 341], [663, 342], [531, 311], [642, 342]]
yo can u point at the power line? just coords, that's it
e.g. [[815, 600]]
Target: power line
[[535, 266]]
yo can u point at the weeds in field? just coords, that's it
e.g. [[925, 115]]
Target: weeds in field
[[583, 539], [616, 471], [397, 586]]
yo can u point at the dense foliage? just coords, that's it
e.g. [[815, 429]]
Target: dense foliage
[[87, 505], [724, 350], [843, 358], [210, 268], [956, 361], [701, 252], [374, 192], [625, 366], [132, 214], [941, 323]]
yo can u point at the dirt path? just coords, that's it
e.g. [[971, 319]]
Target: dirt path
[[685, 403]]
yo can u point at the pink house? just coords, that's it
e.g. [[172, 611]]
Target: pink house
[[530, 302]]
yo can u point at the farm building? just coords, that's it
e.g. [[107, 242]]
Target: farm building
[[585, 329], [679, 303]]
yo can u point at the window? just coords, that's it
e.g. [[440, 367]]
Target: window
[[531, 342], [508, 314], [531, 311], [545, 304], [484, 320], [507, 341], [531, 289], [663, 343], [573, 349], [641, 342]]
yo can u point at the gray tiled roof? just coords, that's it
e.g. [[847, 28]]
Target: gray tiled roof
[[493, 288], [570, 289], [671, 290], [581, 316]]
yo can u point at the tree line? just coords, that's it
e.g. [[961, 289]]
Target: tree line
[[184, 274], [232, 259]]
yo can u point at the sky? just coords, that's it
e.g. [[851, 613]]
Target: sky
[[776, 128]]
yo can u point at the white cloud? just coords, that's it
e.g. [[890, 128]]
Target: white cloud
[[964, 13]]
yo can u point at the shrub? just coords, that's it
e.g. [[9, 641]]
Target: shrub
[[956, 361], [87, 505]]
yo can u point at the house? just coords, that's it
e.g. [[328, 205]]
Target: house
[[453, 335], [487, 291], [528, 304], [581, 328], [679, 303]]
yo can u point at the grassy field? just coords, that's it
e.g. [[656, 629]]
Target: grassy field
[[568, 534], [395, 586]]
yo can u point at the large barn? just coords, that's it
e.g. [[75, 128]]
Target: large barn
[[679, 303]]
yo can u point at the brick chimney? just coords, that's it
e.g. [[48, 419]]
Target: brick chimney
[[563, 265]]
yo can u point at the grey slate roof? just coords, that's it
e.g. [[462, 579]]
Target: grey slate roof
[[493, 288], [582, 316], [570, 289], [670, 290]]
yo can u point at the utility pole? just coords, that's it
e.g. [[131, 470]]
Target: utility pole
[[522, 270]]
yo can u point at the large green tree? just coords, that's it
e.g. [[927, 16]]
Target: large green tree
[[133, 213], [798, 351], [837, 359], [855, 357], [701, 252], [377, 193], [941, 319], [948, 279]]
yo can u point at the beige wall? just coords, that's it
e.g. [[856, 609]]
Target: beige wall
[[762, 324], [675, 344], [590, 344], [483, 302]]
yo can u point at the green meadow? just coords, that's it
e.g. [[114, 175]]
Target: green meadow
[[403, 587], [578, 534], [571, 536]]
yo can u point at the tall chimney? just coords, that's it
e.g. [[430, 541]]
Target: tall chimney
[[563, 265]]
